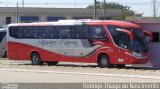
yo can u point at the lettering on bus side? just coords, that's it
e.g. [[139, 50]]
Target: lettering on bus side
[[64, 42]]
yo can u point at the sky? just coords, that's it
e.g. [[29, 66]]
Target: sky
[[140, 6]]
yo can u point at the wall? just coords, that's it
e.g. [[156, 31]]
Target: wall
[[154, 47]]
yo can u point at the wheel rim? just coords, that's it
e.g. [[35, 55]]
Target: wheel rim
[[35, 59], [104, 61]]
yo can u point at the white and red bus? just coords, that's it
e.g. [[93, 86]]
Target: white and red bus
[[91, 41]]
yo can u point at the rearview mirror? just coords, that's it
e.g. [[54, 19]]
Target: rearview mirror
[[148, 36]]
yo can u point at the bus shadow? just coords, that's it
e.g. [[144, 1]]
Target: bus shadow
[[143, 68], [112, 67], [95, 66], [64, 65], [72, 65]]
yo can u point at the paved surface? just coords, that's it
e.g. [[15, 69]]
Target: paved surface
[[31, 76]]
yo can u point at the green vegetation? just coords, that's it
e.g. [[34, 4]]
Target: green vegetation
[[126, 11]]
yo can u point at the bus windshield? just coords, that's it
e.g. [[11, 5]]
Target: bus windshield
[[122, 39], [139, 44]]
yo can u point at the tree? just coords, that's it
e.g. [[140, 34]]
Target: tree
[[126, 11]]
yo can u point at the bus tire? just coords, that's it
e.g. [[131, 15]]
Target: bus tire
[[52, 63], [35, 59], [103, 61]]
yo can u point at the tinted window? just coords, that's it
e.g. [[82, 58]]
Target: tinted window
[[16, 32], [114, 33], [97, 32], [2, 34], [62, 32], [120, 38], [23, 32], [12, 32], [8, 20], [79, 32], [46, 32], [30, 32]]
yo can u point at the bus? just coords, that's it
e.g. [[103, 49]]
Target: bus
[[3, 42], [105, 42]]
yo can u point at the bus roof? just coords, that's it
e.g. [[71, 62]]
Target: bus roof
[[80, 22]]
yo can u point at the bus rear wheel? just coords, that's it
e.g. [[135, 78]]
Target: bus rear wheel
[[52, 63], [103, 61], [35, 59]]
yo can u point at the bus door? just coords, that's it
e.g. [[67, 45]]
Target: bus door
[[120, 38], [124, 38], [122, 47]]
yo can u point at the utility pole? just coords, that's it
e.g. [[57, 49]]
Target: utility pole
[[154, 8], [95, 10], [17, 19], [104, 10], [22, 3], [75, 4]]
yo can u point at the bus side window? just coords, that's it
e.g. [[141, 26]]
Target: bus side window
[[79, 32], [20, 32], [97, 32], [16, 32], [62, 32], [46, 32], [41, 31], [31, 32], [83, 33], [114, 33], [74, 32], [122, 40]]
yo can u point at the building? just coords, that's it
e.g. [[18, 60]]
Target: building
[[154, 47], [32, 14]]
